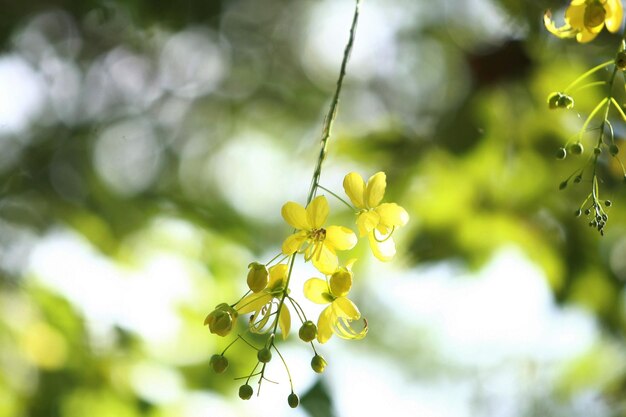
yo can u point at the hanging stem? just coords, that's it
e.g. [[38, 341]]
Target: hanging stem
[[332, 111]]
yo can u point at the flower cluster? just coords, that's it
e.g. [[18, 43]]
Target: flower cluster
[[268, 301], [584, 20]]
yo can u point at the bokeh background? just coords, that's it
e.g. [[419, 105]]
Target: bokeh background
[[146, 150]]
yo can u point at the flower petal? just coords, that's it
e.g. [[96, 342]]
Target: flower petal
[[384, 250], [354, 186], [375, 190], [314, 290], [575, 16], [284, 321], [277, 273], [340, 238], [562, 32], [317, 212], [367, 221], [345, 329], [344, 307], [294, 242], [253, 302], [586, 36], [295, 215], [392, 215], [614, 15], [325, 325], [325, 260]]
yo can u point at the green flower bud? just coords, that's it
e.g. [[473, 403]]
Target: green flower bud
[[308, 331], [221, 319], [565, 102], [620, 60], [613, 149], [341, 282], [576, 148], [597, 150], [318, 363], [561, 153], [563, 185], [553, 100], [293, 400], [258, 276], [245, 392], [264, 355], [608, 203], [219, 363]]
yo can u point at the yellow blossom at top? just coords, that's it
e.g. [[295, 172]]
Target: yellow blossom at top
[[319, 244], [341, 311], [261, 303], [584, 19], [377, 221]]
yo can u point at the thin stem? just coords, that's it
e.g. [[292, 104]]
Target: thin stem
[[332, 111], [591, 115], [286, 367], [336, 196], [587, 74], [588, 85]]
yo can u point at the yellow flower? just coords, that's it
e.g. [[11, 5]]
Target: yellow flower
[[584, 19], [377, 221], [338, 316], [319, 244], [265, 303]]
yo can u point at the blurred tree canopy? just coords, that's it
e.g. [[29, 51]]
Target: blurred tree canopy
[[173, 131]]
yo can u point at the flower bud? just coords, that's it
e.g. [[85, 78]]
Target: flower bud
[[258, 276], [576, 148], [561, 153], [565, 102], [341, 282], [613, 150], [245, 392], [553, 100], [308, 331], [293, 400], [318, 363], [219, 363], [264, 355], [221, 319]]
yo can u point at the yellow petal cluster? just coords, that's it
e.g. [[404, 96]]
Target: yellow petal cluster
[[341, 311], [319, 244], [584, 19], [261, 303], [377, 221]]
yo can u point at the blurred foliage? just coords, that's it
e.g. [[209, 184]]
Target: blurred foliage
[[168, 130]]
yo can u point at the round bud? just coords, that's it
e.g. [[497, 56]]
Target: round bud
[[587, 211], [553, 100], [620, 60], [578, 213], [258, 276], [308, 331], [576, 148], [245, 392], [597, 150], [608, 203], [293, 400], [613, 149], [577, 179], [318, 363], [563, 185], [220, 320], [264, 355], [219, 363], [561, 153], [565, 102]]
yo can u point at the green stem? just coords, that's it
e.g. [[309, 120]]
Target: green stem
[[337, 197], [332, 111], [587, 74]]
